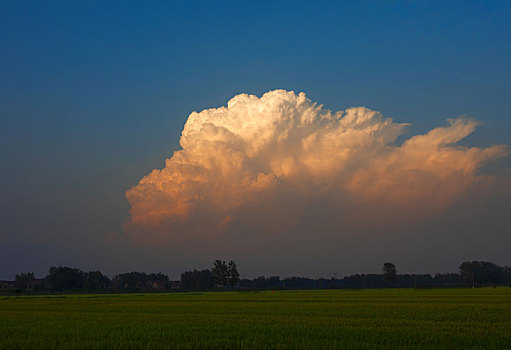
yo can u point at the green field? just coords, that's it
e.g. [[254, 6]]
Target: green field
[[371, 319]]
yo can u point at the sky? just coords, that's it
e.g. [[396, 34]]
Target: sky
[[105, 165]]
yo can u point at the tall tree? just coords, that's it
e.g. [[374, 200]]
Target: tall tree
[[97, 281], [389, 272], [205, 279], [65, 278], [476, 273], [220, 273], [233, 274]]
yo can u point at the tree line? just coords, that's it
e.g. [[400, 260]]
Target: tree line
[[224, 275]]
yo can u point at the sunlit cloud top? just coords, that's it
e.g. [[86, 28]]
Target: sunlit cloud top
[[244, 156]]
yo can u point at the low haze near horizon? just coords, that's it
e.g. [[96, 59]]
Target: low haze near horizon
[[94, 97]]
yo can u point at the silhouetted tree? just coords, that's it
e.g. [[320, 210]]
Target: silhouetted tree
[[65, 278], [259, 283], [23, 280], [197, 279], [97, 281], [233, 274], [389, 272], [476, 273], [447, 279], [205, 279], [140, 280], [187, 280], [160, 279], [130, 280], [220, 273]]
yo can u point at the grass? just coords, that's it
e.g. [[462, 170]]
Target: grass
[[368, 319]]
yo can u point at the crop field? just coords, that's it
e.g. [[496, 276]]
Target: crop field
[[370, 319]]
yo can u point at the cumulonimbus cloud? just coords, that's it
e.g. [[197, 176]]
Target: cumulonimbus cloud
[[284, 145]]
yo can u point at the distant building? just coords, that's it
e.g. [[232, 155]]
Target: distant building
[[37, 284], [159, 285], [8, 285], [176, 285]]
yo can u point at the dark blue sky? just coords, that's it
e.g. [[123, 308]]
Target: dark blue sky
[[93, 96]]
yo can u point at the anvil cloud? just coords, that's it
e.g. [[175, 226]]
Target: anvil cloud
[[277, 155]]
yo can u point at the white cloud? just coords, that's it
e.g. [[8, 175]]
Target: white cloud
[[257, 153]]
